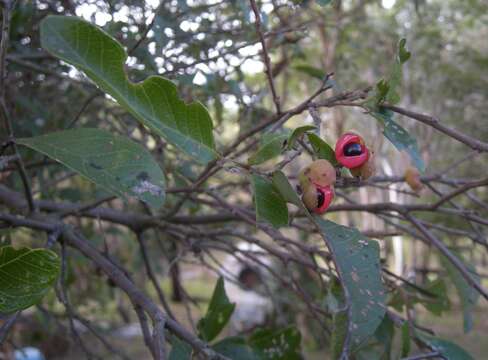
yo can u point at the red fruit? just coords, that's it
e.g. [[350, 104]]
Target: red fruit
[[318, 198], [351, 151]]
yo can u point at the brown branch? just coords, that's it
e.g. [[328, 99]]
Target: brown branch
[[437, 124], [267, 61]]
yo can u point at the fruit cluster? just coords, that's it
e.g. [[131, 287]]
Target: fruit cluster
[[317, 179]]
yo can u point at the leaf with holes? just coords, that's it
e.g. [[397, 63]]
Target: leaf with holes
[[115, 163], [399, 137], [26, 275], [270, 205], [276, 345], [235, 348], [271, 146], [358, 264], [468, 295], [154, 102], [218, 313]]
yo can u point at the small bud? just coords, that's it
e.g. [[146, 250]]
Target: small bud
[[412, 178], [366, 170]]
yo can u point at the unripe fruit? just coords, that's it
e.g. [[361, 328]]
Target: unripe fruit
[[320, 172], [412, 178], [351, 151], [366, 170], [318, 198], [317, 181]]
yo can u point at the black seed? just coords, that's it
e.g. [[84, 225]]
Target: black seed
[[353, 149], [320, 198]]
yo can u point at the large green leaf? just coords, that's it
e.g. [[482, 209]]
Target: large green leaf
[[154, 102], [398, 136], [271, 146], [270, 205], [218, 313], [468, 294], [358, 264], [26, 275], [115, 163], [276, 345]]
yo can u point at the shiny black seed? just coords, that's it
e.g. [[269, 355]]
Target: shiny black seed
[[353, 149], [320, 198]]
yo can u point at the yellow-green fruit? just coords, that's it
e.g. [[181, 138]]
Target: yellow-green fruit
[[320, 172], [309, 197], [412, 178], [365, 171]]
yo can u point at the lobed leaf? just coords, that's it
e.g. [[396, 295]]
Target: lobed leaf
[[154, 102], [115, 163]]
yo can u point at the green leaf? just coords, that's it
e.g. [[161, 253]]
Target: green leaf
[[403, 53], [324, 2], [115, 163], [218, 313], [340, 322], [405, 350], [297, 133], [282, 184], [154, 102], [322, 149], [440, 303], [448, 349], [272, 146], [270, 205], [180, 350], [384, 335], [235, 348], [26, 275], [276, 345], [311, 71], [358, 264], [467, 294], [387, 89], [399, 137]]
